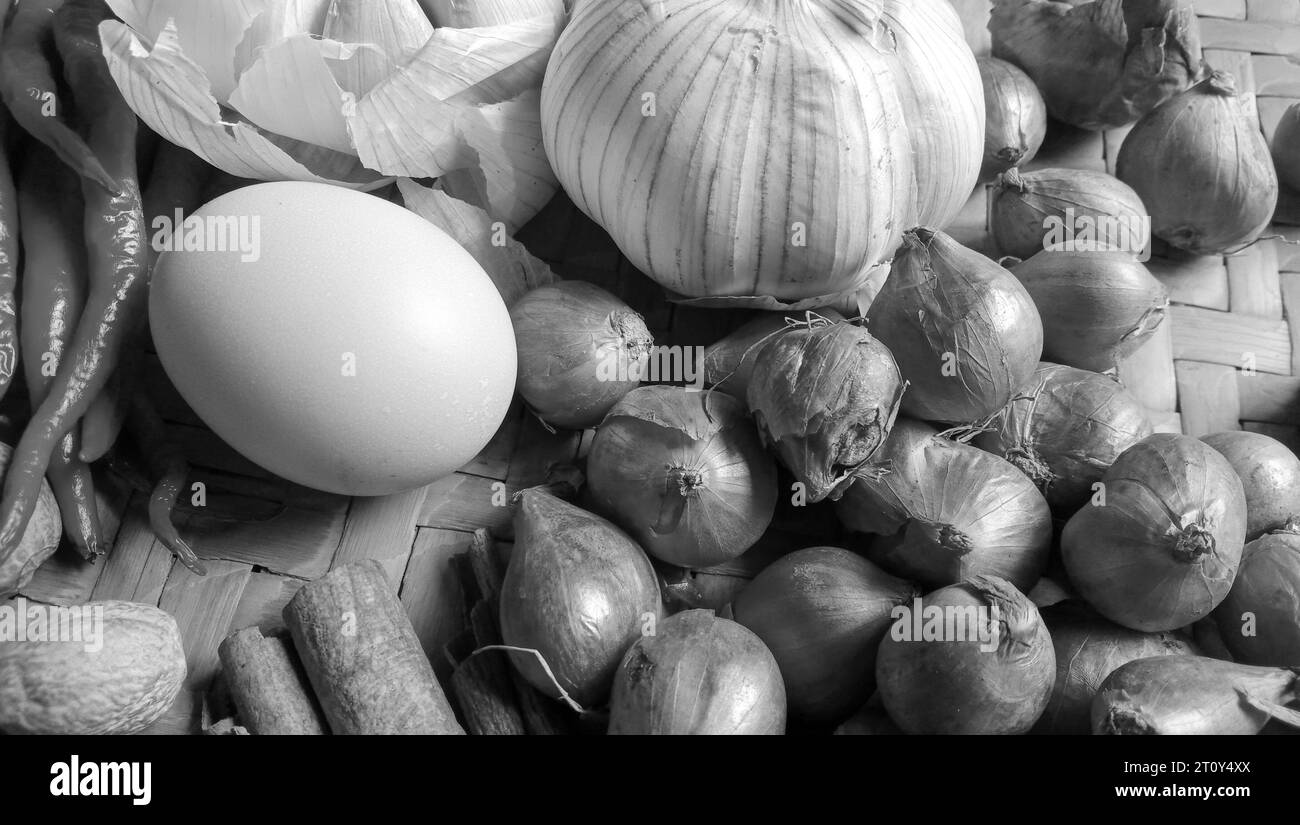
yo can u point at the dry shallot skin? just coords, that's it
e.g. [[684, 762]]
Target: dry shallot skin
[[1259, 621], [1159, 544], [1286, 148], [1270, 475], [729, 362], [1201, 165], [1064, 429], [1015, 117], [698, 674], [580, 348], [1025, 205], [964, 331], [1167, 695], [1100, 65], [684, 472], [824, 398], [946, 511], [958, 685]]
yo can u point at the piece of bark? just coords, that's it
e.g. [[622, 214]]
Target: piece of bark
[[269, 686], [486, 698], [363, 658], [488, 574]]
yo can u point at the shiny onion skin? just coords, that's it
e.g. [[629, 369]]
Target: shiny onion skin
[[947, 684], [1259, 621], [822, 612], [1097, 307], [1104, 64], [1088, 649], [1270, 476], [1026, 206], [1160, 550], [698, 674], [1015, 116], [1168, 695], [1064, 428], [868, 118], [578, 591], [946, 511], [1201, 165], [580, 350], [964, 332], [1286, 148], [684, 473], [824, 399]]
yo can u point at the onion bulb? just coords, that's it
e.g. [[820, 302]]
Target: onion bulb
[[1015, 120], [1270, 475], [1286, 147], [1158, 545], [971, 658], [1104, 64], [822, 612], [728, 363], [1259, 621], [1031, 211], [1194, 695], [965, 333], [1088, 648], [1201, 165], [824, 397], [766, 151], [580, 350], [1098, 308], [1064, 429], [947, 511], [577, 591], [698, 674], [684, 473]]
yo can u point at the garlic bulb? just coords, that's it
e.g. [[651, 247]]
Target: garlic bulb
[[1104, 64], [1201, 165], [765, 150]]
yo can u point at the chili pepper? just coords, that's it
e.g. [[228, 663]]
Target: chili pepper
[[8, 266], [54, 293], [168, 465], [28, 88], [103, 420], [117, 255]]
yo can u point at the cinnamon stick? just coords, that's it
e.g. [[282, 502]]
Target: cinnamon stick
[[268, 685], [363, 658]]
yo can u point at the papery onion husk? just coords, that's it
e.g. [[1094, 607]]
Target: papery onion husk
[[1100, 65], [965, 333], [1259, 621], [1098, 308], [984, 666], [1203, 168], [728, 363], [1270, 475], [824, 399], [578, 591], [1168, 695], [828, 128], [822, 612], [1015, 116], [683, 471], [580, 351], [1029, 209], [947, 511], [1088, 648], [1286, 147], [698, 674], [1157, 546], [1064, 428]]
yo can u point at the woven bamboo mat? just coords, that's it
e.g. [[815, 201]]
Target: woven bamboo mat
[[1223, 360]]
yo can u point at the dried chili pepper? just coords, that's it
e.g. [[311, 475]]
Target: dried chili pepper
[[168, 465]]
